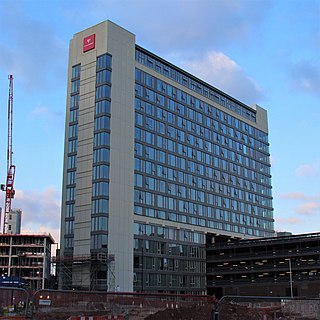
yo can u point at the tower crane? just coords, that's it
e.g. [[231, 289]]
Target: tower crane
[[11, 168]]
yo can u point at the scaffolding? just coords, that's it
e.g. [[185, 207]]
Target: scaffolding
[[91, 272]]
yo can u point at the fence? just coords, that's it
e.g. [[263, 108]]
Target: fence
[[267, 308], [14, 302], [17, 303], [49, 304]]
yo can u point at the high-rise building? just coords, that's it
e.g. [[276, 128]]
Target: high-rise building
[[156, 163], [14, 221]]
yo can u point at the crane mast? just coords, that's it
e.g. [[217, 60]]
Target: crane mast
[[11, 168]]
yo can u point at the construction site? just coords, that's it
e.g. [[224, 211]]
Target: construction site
[[99, 265], [173, 273], [74, 305]]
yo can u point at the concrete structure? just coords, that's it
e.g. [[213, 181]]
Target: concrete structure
[[26, 256], [279, 266], [14, 221], [157, 162]]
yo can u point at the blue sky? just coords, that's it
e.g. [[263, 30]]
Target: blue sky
[[260, 51]]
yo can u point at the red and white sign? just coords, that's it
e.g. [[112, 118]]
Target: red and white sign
[[89, 42]]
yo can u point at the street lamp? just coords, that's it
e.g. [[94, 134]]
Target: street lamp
[[142, 265], [290, 277]]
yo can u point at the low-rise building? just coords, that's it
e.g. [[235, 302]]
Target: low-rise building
[[277, 266], [26, 257]]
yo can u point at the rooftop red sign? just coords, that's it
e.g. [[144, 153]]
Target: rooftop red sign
[[89, 42]]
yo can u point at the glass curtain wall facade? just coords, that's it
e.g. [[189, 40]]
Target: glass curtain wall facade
[[195, 165], [200, 167]]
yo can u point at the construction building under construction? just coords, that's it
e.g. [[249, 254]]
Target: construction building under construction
[[25, 260]]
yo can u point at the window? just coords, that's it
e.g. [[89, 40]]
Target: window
[[99, 223], [102, 122], [69, 227], [71, 193], [99, 240], [103, 61], [72, 145], [72, 160], [100, 206], [68, 243], [71, 177], [139, 119], [101, 155], [149, 108], [103, 76], [74, 101], [100, 189], [73, 131], [73, 115], [101, 172], [76, 71], [102, 107], [138, 180], [69, 210], [150, 183], [150, 123], [102, 139], [103, 91], [75, 86], [138, 149]]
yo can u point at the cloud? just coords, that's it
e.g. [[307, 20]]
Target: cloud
[[308, 170], [297, 223], [186, 25], [298, 196], [42, 111], [225, 74], [40, 211], [47, 117], [305, 76], [309, 208], [308, 205], [30, 49], [289, 220]]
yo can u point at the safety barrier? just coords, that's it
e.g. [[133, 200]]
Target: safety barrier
[[19, 304], [267, 308], [9, 317], [96, 318], [115, 305], [14, 303]]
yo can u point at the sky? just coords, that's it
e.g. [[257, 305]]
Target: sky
[[264, 52]]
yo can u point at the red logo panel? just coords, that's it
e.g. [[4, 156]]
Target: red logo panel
[[89, 42]]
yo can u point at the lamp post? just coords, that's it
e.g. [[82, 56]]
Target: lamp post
[[142, 267], [290, 274]]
